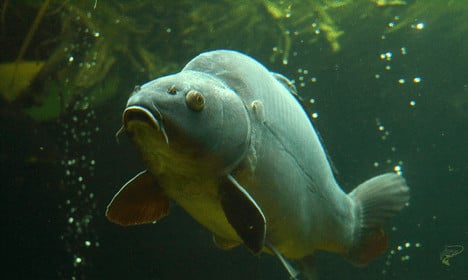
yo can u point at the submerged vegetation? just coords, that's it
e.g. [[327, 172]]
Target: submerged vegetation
[[83, 48]]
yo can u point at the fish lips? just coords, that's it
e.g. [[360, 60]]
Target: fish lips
[[139, 113]]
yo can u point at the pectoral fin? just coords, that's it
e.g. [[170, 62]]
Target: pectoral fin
[[243, 213], [139, 201]]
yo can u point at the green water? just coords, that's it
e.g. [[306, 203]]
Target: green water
[[388, 87]]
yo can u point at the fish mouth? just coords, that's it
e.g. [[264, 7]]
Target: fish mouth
[[142, 114]]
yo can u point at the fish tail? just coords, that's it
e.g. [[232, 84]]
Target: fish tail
[[375, 201]]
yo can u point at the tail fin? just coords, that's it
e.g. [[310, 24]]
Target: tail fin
[[376, 200]]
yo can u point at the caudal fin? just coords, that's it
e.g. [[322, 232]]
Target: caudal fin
[[376, 200]]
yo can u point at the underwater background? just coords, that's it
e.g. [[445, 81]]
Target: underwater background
[[387, 85]]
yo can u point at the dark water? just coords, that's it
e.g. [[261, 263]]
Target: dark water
[[393, 97]]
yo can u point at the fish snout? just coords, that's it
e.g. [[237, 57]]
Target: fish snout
[[150, 116]]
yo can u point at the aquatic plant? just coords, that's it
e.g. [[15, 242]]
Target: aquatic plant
[[91, 45]]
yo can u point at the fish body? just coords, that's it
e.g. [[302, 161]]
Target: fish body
[[229, 142]]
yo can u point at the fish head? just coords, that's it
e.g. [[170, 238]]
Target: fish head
[[189, 114]]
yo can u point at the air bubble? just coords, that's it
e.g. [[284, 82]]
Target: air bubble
[[405, 258], [386, 56], [403, 50], [397, 169]]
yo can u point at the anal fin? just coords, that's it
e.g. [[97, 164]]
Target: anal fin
[[371, 244], [139, 201]]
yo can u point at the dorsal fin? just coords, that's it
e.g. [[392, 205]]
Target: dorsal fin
[[288, 84]]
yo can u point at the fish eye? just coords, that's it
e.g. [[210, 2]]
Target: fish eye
[[195, 100]]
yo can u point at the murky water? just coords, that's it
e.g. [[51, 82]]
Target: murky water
[[385, 84]]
